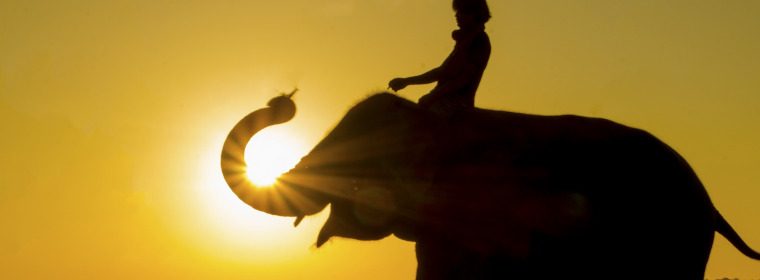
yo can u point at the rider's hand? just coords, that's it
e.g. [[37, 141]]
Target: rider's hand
[[398, 84]]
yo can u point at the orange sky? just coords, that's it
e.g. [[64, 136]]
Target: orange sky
[[114, 113]]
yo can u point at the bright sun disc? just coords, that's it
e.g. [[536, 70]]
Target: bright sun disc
[[270, 153]]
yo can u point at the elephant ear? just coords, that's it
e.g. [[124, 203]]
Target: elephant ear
[[374, 207], [367, 215], [381, 143]]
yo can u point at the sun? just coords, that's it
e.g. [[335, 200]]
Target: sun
[[225, 227], [270, 153]]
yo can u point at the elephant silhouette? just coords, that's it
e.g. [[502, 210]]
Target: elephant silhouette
[[492, 194]]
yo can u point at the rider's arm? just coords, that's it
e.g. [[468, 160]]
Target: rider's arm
[[425, 78]]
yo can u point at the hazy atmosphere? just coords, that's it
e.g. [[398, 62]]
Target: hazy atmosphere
[[114, 114]]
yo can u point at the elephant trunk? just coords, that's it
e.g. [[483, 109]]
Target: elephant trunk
[[283, 198]]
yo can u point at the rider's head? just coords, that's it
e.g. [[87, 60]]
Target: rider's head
[[471, 12]]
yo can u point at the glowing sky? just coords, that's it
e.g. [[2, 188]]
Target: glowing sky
[[114, 113]]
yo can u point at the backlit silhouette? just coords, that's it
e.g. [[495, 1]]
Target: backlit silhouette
[[513, 196], [459, 75]]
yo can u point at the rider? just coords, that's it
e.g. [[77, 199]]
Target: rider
[[459, 75]]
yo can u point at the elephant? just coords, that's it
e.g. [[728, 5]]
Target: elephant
[[488, 194]]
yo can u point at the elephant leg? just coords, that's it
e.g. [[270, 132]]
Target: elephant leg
[[441, 259], [665, 247], [445, 260], [685, 255], [436, 260]]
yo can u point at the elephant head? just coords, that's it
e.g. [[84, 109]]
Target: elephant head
[[368, 168]]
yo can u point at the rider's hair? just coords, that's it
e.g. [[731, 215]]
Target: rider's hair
[[478, 8]]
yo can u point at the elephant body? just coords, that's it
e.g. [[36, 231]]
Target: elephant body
[[563, 196], [496, 195]]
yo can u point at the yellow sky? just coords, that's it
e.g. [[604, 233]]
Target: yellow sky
[[114, 113]]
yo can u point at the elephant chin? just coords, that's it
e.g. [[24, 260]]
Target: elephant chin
[[284, 198]]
